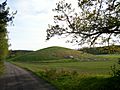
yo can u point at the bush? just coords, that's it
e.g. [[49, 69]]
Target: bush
[[116, 70]]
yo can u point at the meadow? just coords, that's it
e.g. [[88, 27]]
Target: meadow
[[77, 75], [83, 72], [91, 67]]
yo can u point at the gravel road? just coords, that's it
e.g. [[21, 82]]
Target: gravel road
[[16, 78]]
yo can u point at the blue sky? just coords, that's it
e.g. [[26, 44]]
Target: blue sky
[[30, 24]]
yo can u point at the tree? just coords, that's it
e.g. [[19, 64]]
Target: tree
[[5, 17], [93, 22]]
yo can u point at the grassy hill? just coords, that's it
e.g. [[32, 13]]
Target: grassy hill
[[93, 75], [53, 53]]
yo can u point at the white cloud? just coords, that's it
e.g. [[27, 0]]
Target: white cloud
[[31, 23]]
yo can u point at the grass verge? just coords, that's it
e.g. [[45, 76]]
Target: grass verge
[[65, 80], [2, 67], [73, 78], [76, 75]]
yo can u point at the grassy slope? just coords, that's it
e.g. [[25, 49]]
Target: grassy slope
[[76, 75], [14, 53], [85, 75], [92, 75], [52, 53]]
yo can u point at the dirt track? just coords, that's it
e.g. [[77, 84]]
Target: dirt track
[[16, 78]]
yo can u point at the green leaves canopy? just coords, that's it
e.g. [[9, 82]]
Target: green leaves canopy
[[5, 17], [93, 22]]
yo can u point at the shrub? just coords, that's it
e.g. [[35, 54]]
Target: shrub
[[116, 70]]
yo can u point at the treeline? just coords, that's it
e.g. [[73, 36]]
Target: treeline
[[14, 53], [113, 49], [5, 18]]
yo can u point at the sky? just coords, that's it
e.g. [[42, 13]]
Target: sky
[[31, 23]]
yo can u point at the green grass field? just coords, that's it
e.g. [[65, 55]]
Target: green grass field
[[93, 67], [70, 74], [110, 56], [54, 53], [93, 75]]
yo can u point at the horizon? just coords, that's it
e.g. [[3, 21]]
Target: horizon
[[31, 23]]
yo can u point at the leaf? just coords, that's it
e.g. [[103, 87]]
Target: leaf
[[90, 16], [84, 2]]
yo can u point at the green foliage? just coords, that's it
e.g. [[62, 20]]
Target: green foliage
[[116, 70], [113, 49], [92, 22], [62, 79], [15, 53], [3, 46], [2, 67], [65, 79], [5, 17]]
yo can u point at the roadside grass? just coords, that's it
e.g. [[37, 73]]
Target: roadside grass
[[73, 76], [76, 75], [66, 80], [1, 68]]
